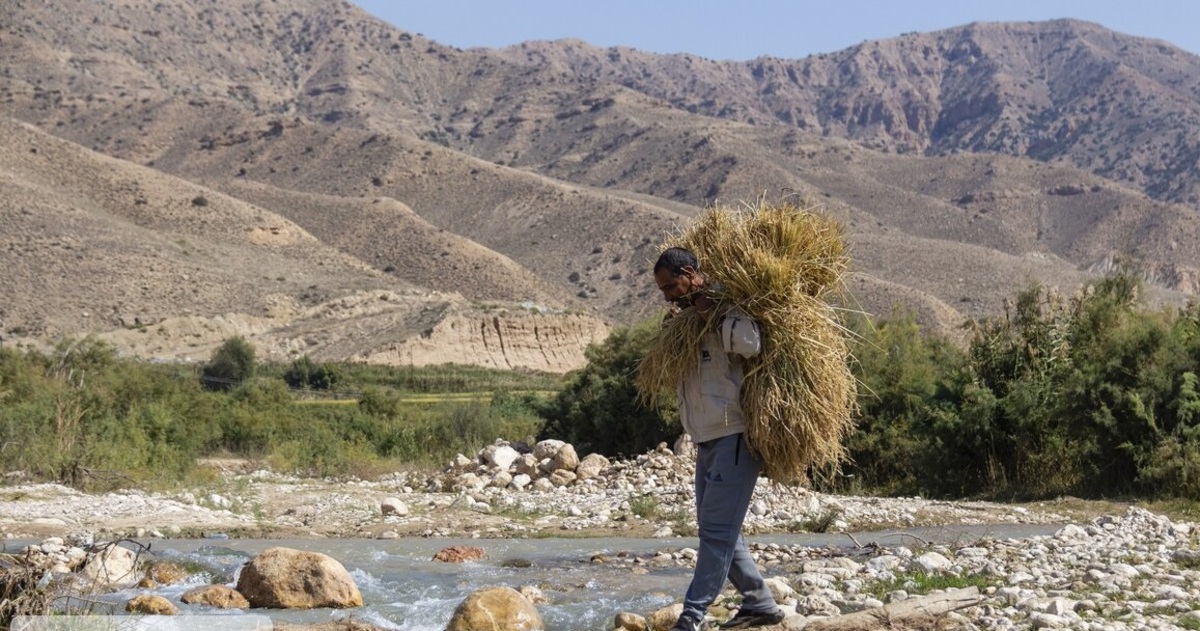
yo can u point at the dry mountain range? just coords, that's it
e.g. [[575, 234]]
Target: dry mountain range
[[175, 172]]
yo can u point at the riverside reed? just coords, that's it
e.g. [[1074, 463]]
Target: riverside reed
[[780, 264]]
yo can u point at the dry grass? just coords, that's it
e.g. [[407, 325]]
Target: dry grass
[[19, 591], [779, 264]]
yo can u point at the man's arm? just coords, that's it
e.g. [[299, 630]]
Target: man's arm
[[740, 334]]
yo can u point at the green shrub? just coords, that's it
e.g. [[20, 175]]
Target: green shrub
[[1071, 395], [230, 365], [598, 410], [379, 401], [903, 374], [644, 506], [306, 374]]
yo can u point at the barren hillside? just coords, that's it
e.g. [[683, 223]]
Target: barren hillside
[[167, 269], [339, 157]]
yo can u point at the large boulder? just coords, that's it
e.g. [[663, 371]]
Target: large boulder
[[547, 448], [283, 578], [626, 621], [664, 618], [219, 596], [501, 480], [565, 459], [526, 465], [393, 506], [496, 609], [111, 567], [500, 456], [562, 477], [592, 466]]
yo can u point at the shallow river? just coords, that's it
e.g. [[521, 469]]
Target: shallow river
[[404, 589]]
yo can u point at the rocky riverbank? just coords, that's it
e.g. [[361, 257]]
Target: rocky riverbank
[[504, 491], [1107, 567]]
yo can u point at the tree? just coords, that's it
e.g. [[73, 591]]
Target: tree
[[903, 375], [230, 365]]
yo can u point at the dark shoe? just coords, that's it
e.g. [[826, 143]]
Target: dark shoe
[[747, 619]]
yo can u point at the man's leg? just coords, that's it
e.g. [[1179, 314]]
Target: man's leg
[[744, 575], [725, 477], [743, 572]]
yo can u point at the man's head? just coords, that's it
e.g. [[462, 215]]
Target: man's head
[[677, 273]]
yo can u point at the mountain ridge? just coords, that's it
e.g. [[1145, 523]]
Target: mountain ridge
[[548, 173]]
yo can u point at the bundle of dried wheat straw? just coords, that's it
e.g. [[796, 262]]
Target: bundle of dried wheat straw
[[779, 264]]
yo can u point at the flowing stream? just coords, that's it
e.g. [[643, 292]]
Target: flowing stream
[[404, 589]]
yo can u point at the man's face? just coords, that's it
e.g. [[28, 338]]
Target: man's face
[[676, 289]]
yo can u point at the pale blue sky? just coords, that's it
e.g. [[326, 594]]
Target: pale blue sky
[[744, 29]]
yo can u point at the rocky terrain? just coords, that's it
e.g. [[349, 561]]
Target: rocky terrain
[[1104, 567], [245, 166], [473, 497]]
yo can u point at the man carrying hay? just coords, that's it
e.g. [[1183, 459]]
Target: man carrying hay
[[759, 360], [726, 469]]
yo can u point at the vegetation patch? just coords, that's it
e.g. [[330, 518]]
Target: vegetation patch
[[917, 582], [82, 416], [1086, 396]]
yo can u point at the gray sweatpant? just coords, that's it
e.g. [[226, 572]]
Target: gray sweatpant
[[726, 472]]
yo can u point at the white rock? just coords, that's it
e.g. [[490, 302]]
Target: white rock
[[1016, 578], [520, 481], [1071, 531], [780, 590], [1124, 569], [499, 456], [1170, 592], [1048, 621], [393, 506], [501, 480], [481, 507], [932, 563], [883, 562], [1059, 607], [112, 567]]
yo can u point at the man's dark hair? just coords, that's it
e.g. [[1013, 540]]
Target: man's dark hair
[[675, 259]]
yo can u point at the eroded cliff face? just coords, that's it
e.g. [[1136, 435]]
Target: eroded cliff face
[[510, 339], [397, 328]]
